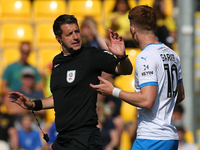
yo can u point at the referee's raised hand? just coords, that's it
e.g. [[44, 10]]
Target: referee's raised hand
[[21, 100], [116, 45]]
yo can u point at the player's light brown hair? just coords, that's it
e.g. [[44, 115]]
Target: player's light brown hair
[[143, 17]]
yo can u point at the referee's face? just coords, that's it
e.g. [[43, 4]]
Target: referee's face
[[71, 37]]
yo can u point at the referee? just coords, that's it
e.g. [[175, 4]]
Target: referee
[[73, 100]]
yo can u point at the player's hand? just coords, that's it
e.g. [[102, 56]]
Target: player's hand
[[21, 100], [105, 88], [116, 46]]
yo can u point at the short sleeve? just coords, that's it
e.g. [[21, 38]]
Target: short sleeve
[[146, 68], [103, 60]]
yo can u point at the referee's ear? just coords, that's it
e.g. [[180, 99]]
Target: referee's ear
[[58, 39]]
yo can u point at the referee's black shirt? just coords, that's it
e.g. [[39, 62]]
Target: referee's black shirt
[[74, 99]]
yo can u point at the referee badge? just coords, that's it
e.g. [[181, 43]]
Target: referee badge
[[71, 76]]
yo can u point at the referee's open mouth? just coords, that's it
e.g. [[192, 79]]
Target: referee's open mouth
[[77, 43]]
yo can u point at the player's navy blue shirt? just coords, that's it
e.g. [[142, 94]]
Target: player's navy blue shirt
[[74, 99]]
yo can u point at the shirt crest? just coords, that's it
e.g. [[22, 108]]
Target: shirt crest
[[70, 76]]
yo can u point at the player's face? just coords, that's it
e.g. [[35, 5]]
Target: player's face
[[135, 41], [71, 37], [134, 36]]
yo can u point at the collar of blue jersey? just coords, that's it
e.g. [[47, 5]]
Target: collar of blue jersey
[[150, 44]]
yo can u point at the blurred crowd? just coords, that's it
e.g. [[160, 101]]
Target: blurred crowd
[[117, 122]]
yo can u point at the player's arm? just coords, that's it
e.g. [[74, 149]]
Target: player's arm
[[181, 93], [145, 98], [26, 103]]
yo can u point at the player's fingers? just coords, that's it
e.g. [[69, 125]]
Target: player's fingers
[[91, 85], [102, 79], [95, 87]]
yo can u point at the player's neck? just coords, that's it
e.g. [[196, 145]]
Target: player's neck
[[146, 40]]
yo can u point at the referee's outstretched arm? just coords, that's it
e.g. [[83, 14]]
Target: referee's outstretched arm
[[26, 103]]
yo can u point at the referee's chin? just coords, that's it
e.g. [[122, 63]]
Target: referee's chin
[[71, 50], [74, 48]]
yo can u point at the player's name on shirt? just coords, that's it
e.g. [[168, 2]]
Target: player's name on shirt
[[167, 57]]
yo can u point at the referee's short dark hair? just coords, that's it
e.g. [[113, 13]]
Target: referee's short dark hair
[[63, 19]]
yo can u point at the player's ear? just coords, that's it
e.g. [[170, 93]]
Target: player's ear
[[132, 29]]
